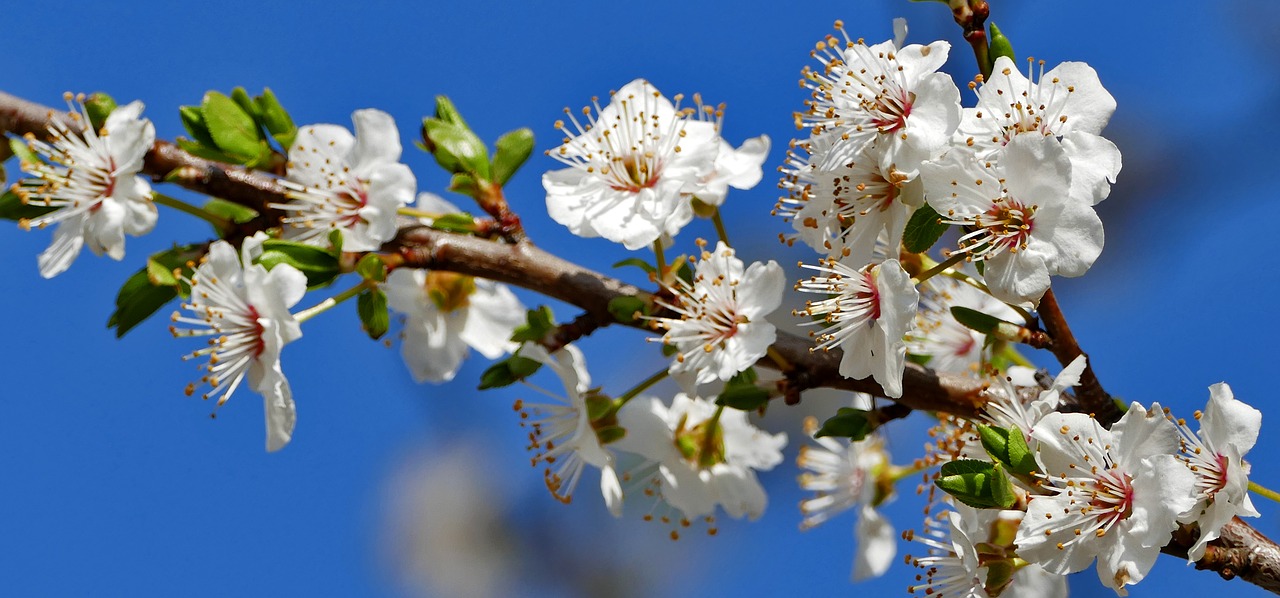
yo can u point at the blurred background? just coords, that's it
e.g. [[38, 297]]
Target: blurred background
[[114, 483]]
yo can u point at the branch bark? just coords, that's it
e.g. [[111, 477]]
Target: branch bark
[[1240, 551]]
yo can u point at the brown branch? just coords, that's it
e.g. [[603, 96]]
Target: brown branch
[[1090, 397], [1240, 551]]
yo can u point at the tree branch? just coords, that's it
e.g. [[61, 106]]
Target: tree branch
[[1240, 551]]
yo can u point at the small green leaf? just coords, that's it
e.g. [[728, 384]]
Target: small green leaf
[[457, 149], [23, 151], [204, 151], [637, 262], [848, 422], [1009, 447], [193, 122], [669, 350], [230, 210], [372, 307], [626, 308], [335, 242], [446, 112], [979, 484], [999, 46], [455, 223], [246, 103], [511, 151], [99, 106], [923, 230], [371, 267], [320, 266], [233, 130], [464, 184], [741, 392], [975, 320], [12, 207], [275, 119], [508, 372], [538, 323], [143, 295]]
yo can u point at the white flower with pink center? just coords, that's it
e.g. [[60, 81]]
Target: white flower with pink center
[[1228, 429], [631, 168], [1067, 104], [1022, 222], [353, 184], [244, 309], [1110, 495], [722, 328], [952, 346], [969, 558], [866, 313], [884, 95], [91, 183]]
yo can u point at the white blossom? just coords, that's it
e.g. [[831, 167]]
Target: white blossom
[[952, 346], [705, 455], [445, 313], [630, 168], [1228, 429], [867, 313], [1112, 495], [846, 475], [245, 309], [739, 168], [967, 559], [1007, 405], [842, 209], [884, 95], [1067, 103], [91, 182], [353, 184], [563, 434], [722, 328], [1023, 223]]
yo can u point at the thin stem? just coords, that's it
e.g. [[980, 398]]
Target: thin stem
[[716, 220], [955, 258], [218, 222], [329, 303], [642, 386], [416, 213], [662, 260], [1255, 488], [784, 365]]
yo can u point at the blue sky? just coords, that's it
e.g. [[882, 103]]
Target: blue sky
[[117, 484]]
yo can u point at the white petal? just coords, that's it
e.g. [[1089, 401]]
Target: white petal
[[377, 140], [1227, 420], [876, 544], [492, 317], [68, 238]]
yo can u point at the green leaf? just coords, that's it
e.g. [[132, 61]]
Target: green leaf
[[446, 111], [204, 151], [233, 130], [371, 267], [848, 422], [320, 266], [12, 207], [508, 372], [975, 320], [626, 308], [246, 103], [512, 149], [99, 106], [979, 484], [637, 262], [372, 307], [923, 230], [193, 122], [741, 392], [538, 323], [275, 119], [455, 223], [999, 46], [23, 151], [143, 295], [457, 149], [230, 210], [1009, 447], [464, 184]]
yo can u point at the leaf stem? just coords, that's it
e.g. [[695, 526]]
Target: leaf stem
[[661, 260], [642, 386], [222, 224], [1255, 488], [331, 302], [955, 258]]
